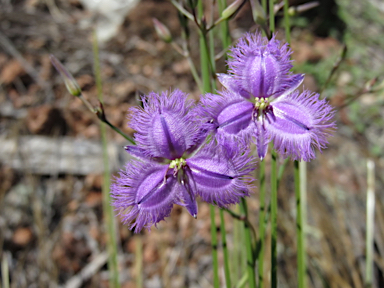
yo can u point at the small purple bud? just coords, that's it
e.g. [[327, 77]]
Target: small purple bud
[[293, 11], [162, 31], [70, 82]]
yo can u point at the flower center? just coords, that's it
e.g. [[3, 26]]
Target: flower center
[[177, 164], [261, 109], [261, 103]]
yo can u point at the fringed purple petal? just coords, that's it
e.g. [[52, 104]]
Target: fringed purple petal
[[290, 85], [300, 123], [260, 67], [222, 176], [140, 153], [230, 83], [143, 194], [228, 116], [164, 127]]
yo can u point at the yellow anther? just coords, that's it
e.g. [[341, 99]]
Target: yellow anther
[[172, 164], [177, 163]]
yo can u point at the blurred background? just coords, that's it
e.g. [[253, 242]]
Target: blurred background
[[51, 222]]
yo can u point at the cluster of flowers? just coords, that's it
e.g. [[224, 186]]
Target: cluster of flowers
[[186, 149]]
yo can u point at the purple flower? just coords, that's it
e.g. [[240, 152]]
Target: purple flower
[[259, 102], [260, 68], [171, 165]]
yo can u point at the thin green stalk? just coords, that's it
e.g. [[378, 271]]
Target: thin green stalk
[[249, 247], [215, 261], [271, 16], [192, 67], [224, 27], [227, 271], [286, 22], [243, 280], [5, 271], [273, 181], [212, 59], [206, 78], [264, 4], [281, 172], [300, 230], [260, 256], [116, 129], [274, 220], [370, 223], [139, 261], [225, 41], [238, 252], [204, 56], [108, 212]]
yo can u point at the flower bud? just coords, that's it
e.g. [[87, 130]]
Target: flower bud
[[232, 9], [162, 31], [192, 4], [70, 82], [258, 12], [293, 11]]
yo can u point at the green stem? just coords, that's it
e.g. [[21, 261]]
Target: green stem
[[286, 22], [194, 72], [224, 27], [215, 261], [370, 223], [116, 129], [260, 256], [300, 226], [225, 35], [108, 212], [204, 56], [243, 280], [274, 220], [273, 181], [248, 246], [212, 60], [272, 16], [227, 271], [281, 171], [139, 261], [206, 78], [190, 61], [238, 254], [264, 215], [264, 4], [5, 270]]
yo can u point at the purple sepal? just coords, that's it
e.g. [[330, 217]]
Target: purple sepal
[[262, 140], [187, 189], [301, 123]]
